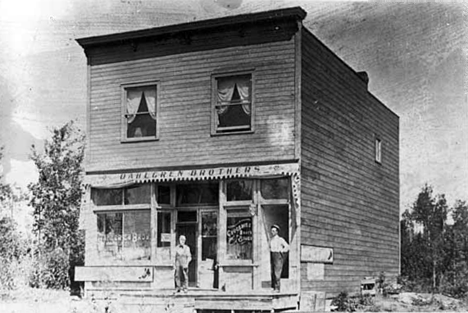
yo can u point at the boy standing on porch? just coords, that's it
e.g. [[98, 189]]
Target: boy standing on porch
[[182, 260], [278, 249]]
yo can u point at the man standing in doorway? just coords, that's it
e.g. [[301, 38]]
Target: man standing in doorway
[[182, 260], [278, 254]]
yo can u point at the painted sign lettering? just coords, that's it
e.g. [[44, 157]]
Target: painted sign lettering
[[240, 233], [191, 174]]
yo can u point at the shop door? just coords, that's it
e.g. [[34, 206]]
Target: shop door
[[208, 269], [189, 230]]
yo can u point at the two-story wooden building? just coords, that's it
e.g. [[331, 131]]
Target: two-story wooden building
[[217, 129]]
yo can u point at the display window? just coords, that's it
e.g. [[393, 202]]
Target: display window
[[124, 236]]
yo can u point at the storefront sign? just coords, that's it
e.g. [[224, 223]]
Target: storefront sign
[[109, 180], [316, 254], [133, 237], [240, 233]]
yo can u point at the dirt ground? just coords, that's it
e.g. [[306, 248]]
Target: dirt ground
[[416, 302], [52, 301]]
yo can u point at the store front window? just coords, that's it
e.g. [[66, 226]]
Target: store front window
[[239, 235], [124, 236]]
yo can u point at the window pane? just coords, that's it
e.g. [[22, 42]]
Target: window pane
[[137, 238], [239, 237], [109, 241], [239, 190], [164, 195], [164, 229], [138, 194], [187, 216], [141, 111], [124, 236], [143, 126], [233, 104], [106, 196], [275, 188], [209, 224], [234, 115], [206, 193]]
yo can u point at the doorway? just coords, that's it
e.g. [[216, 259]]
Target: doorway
[[190, 230], [279, 215]]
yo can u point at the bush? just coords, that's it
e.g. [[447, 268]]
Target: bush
[[51, 270], [344, 303], [11, 251]]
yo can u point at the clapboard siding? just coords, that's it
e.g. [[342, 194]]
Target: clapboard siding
[[349, 202], [183, 72]]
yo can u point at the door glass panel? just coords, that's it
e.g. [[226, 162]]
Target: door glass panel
[[209, 235]]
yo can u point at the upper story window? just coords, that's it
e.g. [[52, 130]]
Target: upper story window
[[232, 104], [378, 150], [141, 112]]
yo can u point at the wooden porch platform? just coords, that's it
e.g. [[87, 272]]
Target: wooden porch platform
[[195, 299]]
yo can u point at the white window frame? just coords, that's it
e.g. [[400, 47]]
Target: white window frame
[[378, 150], [214, 97], [124, 123]]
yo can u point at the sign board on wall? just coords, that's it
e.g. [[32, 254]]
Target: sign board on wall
[[316, 254], [315, 271], [116, 180]]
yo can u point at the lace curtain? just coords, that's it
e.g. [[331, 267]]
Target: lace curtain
[[226, 88], [135, 97]]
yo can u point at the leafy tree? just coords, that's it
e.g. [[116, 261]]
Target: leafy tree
[[5, 189], [56, 201], [423, 254], [11, 243]]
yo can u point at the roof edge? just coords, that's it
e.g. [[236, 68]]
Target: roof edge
[[294, 12]]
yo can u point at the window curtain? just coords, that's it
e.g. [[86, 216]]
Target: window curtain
[[226, 90], [133, 103], [134, 97], [243, 88], [150, 97]]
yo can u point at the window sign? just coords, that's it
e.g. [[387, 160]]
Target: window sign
[[239, 237], [165, 237]]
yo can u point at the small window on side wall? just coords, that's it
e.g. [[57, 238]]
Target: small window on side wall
[[232, 104], [140, 112], [378, 150]]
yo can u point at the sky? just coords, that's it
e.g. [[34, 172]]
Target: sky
[[415, 54]]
